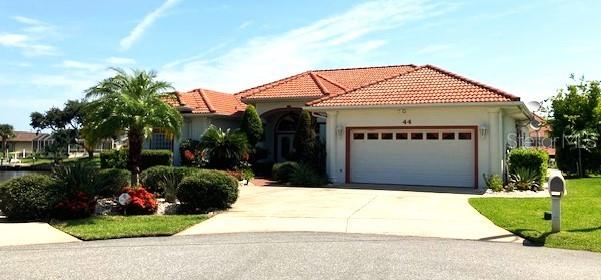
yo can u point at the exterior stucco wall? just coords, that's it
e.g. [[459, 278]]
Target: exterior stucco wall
[[490, 145], [20, 146], [195, 125]]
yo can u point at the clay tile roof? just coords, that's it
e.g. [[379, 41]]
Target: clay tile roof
[[421, 85], [204, 101], [320, 83]]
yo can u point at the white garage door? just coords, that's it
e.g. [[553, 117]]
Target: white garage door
[[421, 157]]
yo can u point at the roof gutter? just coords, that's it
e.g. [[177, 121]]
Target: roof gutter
[[518, 104]]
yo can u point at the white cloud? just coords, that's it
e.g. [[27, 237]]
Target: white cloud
[[12, 40], [120, 61], [73, 64], [245, 24], [333, 40], [26, 43], [146, 22], [34, 25], [430, 49], [29, 40]]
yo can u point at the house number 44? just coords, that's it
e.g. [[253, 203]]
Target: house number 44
[[406, 121]]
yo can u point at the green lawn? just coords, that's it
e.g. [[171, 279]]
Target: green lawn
[[581, 216], [109, 227]]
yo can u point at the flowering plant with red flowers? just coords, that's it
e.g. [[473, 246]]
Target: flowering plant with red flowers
[[142, 201], [76, 206]]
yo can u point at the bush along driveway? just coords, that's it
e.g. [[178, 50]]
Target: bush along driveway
[[581, 218]]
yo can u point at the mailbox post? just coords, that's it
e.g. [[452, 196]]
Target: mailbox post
[[557, 190]]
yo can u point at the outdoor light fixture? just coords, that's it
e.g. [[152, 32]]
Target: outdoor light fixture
[[339, 131], [483, 130]]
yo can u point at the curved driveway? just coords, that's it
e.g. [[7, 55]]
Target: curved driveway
[[394, 212]]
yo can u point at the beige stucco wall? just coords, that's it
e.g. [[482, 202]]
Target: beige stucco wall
[[195, 125], [20, 146], [490, 146]]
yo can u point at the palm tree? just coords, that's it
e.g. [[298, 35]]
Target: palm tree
[[224, 149], [132, 103], [6, 132]]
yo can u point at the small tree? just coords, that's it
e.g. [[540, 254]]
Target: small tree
[[305, 139], [576, 123], [6, 132], [65, 124], [252, 126]]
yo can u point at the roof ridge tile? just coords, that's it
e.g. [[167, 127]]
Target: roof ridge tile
[[330, 81], [363, 86], [318, 83], [206, 100]]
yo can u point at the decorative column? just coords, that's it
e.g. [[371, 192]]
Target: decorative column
[[331, 146], [495, 142]]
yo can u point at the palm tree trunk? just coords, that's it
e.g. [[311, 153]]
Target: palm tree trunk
[[135, 139]]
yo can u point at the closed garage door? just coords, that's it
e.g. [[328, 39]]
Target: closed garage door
[[413, 156]]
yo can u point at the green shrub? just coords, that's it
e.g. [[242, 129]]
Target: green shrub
[[282, 172], [306, 176], [248, 174], [207, 189], [493, 182], [532, 159], [525, 179], [252, 125], [118, 158], [224, 149], [30, 197], [114, 159], [152, 158], [263, 168], [76, 177], [155, 178], [190, 152], [111, 181]]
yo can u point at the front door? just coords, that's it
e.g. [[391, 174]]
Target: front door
[[284, 144]]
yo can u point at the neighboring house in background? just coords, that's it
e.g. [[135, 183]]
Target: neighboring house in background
[[200, 108], [541, 138], [26, 143], [404, 124]]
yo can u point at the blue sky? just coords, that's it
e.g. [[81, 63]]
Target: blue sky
[[51, 50]]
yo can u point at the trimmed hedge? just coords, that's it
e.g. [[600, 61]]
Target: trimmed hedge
[[29, 197], [118, 158], [282, 172], [111, 181], [207, 189], [306, 176], [153, 177], [529, 158], [114, 159], [152, 158]]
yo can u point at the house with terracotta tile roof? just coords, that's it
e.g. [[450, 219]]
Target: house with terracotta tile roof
[[200, 109], [397, 125]]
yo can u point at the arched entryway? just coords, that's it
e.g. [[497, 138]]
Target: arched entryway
[[280, 126], [284, 136]]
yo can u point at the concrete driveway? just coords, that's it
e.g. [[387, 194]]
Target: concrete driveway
[[394, 212], [12, 234]]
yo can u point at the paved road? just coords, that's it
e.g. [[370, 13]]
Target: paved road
[[294, 256]]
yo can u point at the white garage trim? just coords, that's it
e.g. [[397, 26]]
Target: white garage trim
[[471, 128]]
